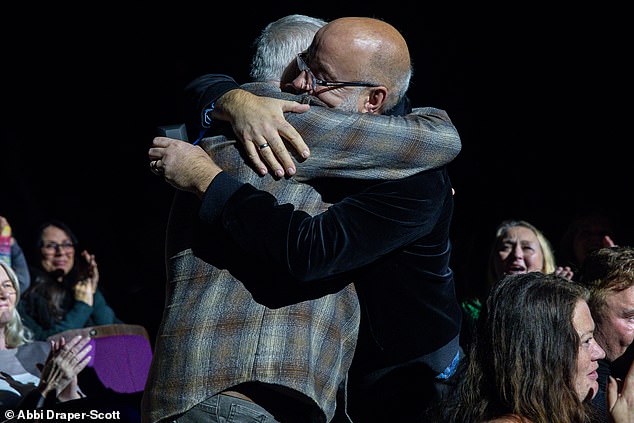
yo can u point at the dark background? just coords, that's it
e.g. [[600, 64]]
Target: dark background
[[536, 94]]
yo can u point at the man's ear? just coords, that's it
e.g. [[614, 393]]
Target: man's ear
[[375, 100]]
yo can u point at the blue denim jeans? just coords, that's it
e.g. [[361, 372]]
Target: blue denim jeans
[[226, 409]]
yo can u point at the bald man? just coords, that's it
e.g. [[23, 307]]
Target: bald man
[[380, 228]]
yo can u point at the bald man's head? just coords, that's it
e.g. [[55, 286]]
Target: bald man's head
[[365, 49]]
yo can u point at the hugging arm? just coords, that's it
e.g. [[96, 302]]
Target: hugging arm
[[258, 122], [342, 145], [350, 234]]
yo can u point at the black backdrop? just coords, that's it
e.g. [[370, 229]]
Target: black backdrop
[[536, 95]]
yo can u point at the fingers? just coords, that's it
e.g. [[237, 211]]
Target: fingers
[[254, 157], [290, 134], [163, 142], [83, 353], [607, 242], [90, 258], [271, 150], [613, 392], [564, 272], [628, 382], [75, 346], [295, 107], [156, 167], [77, 342], [157, 151], [83, 363], [274, 153], [73, 358], [84, 287], [260, 125]]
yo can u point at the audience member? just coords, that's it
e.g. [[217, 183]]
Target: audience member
[[534, 358], [589, 230], [609, 275], [518, 247], [18, 261], [31, 370], [64, 293], [410, 229]]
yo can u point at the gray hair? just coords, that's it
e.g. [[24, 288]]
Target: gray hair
[[279, 43], [15, 333]]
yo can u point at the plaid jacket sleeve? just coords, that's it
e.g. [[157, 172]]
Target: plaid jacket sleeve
[[366, 146]]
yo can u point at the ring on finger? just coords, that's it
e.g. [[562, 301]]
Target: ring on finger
[[263, 146], [154, 167]]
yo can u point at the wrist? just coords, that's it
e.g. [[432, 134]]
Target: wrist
[[43, 388], [63, 396], [224, 107], [206, 179], [86, 301]]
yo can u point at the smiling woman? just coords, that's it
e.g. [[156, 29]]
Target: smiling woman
[[64, 294], [536, 333]]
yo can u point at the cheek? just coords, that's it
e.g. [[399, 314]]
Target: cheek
[[625, 330], [583, 383], [533, 263], [47, 263], [332, 97], [330, 100]]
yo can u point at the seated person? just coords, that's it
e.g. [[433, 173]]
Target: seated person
[[608, 273], [64, 293], [534, 358], [17, 259], [24, 382], [518, 247]]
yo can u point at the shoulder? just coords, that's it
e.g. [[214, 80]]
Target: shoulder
[[431, 111], [37, 349], [270, 90], [264, 89]]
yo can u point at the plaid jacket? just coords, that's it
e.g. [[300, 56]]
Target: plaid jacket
[[215, 333]]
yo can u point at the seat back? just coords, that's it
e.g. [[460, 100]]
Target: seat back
[[121, 355]]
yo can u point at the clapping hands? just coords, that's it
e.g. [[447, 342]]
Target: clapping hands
[[63, 364]]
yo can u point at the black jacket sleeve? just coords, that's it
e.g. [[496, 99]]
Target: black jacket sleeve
[[200, 94], [352, 233]]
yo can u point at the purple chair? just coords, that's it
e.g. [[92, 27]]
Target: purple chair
[[121, 355]]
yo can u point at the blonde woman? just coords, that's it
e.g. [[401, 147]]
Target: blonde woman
[[34, 372], [518, 247]]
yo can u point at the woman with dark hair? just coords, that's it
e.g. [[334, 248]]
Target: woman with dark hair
[[63, 293], [534, 358]]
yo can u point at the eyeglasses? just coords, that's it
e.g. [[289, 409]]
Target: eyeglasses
[[54, 246], [8, 288], [314, 81]]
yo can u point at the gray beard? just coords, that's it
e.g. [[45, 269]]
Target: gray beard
[[350, 103]]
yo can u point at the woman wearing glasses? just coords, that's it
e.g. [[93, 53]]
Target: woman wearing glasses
[[64, 293]]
